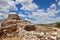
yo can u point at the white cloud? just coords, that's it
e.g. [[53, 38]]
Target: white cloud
[[29, 7], [59, 3], [21, 15], [53, 6], [3, 15], [56, 0], [23, 1], [52, 12], [12, 13], [57, 19], [27, 4], [5, 6], [43, 16]]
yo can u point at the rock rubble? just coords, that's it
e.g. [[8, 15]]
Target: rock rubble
[[33, 35]]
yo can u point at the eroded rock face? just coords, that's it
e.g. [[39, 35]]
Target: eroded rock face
[[11, 25], [8, 30], [30, 27], [13, 16]]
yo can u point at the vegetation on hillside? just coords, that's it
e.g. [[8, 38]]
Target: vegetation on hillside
[[57, 24], [41, 24]]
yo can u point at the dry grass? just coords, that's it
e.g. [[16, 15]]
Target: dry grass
[[12, 38], [46, 29]]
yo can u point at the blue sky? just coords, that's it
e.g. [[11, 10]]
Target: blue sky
[[36, 11], [44, 3]]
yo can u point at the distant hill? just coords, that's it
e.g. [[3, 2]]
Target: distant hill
[[1, 20], [57, 24]]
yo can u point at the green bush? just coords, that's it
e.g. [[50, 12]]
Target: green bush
[[58, 24], [41, 24]]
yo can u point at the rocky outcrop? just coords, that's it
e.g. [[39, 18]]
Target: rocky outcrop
[[13, 16], [14, 26]]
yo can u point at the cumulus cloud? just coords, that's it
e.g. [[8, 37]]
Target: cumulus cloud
[[5, 6], [57, 19], [21, 15], [53, 6], [59, 3], [56, 0], [45, 16], [27, 5], [12, 13], [40, 15]]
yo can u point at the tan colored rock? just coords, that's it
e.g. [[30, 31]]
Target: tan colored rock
[[11, 25], [13, 16]]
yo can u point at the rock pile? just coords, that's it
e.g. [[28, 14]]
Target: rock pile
[[34, 35]]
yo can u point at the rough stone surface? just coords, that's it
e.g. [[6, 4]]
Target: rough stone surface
[[10, 26], [13, 16], [30, 27]]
